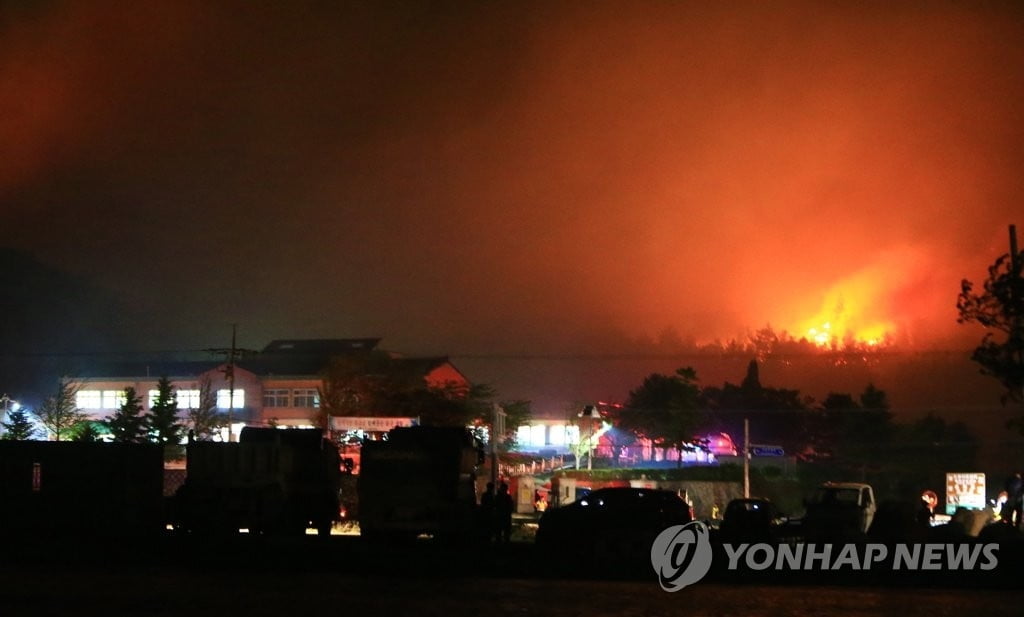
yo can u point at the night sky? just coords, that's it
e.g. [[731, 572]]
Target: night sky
[[512, 177]]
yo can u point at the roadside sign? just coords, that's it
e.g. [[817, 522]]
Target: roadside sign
[[767, 450], [965, 490]]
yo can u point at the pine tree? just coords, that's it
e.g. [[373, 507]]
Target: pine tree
[[128, 424], [19, 427], [165, 428], [86, 432]]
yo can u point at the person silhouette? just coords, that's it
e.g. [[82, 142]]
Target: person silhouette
[[485, 513], [1014, 499], [503, 507]]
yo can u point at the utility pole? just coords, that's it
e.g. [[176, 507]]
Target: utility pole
[[1014, 256], [1015, 270], [497, 430], [231, 354], [746, 458]]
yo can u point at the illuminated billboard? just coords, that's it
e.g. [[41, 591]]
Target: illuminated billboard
[[965, 490]]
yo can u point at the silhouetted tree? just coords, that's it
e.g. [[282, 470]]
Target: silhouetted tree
[[86, 432], [448, 405], [59, 413], [999, 309], [517, 413], [351, 386], [128, 424], [874, 400], [19, 426], [777, 416], [929, 446], [164, 426], [860, 434], [205, 419], [371, 383], [665, 409]]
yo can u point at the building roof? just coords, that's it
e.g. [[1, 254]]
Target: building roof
[[283, 357], [321, 346]]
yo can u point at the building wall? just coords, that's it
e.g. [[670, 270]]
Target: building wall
[[279, 399], [286, 401], [248, 399]]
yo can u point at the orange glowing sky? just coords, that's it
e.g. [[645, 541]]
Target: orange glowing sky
[[516, 176]]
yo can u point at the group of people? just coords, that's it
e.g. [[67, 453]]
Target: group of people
[[496, 513]]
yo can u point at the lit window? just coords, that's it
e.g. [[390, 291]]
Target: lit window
[[225, 400], [538, 435], [275, 398], [306, 398], [523, 435], [572, 434], [89, 399], [188, 399], [113, 399], [556, 435]]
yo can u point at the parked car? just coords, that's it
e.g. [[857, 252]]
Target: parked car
[[751, 520], [839, 510], [610, 527]]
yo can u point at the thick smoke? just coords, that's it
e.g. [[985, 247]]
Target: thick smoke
[[514, 177]]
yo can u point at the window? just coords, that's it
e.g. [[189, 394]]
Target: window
[[187, 399], [556, 435], [89, 399], [225, 401], [113, 399], [305, 398], [99, 399], [275, 398]]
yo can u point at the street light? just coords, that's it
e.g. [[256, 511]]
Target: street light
[[9, 405], [591, 413]]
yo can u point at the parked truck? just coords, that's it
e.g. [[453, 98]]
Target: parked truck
[[839, 510], [419, 480], [271, 481]]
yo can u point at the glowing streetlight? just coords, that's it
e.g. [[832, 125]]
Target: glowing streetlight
[[9, 405], [590, 412]]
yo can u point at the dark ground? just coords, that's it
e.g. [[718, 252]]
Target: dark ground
[[345, 576]]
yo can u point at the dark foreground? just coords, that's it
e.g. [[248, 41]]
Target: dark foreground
[[345, 576], [64, 591]]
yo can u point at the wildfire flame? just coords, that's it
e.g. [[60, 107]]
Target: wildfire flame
[[825, 336], [842, 327], [867, 308]]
